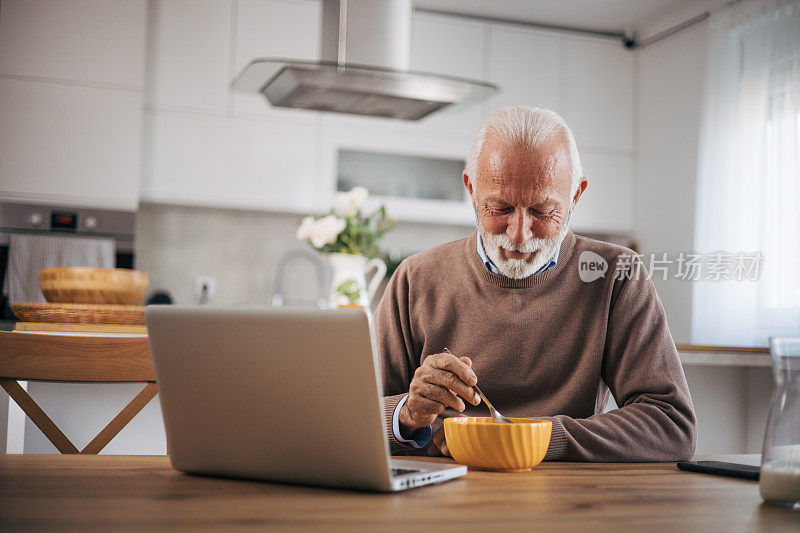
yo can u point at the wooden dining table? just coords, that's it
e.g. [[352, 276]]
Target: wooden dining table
[[144, 493]]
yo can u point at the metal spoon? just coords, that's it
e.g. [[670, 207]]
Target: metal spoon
[[496, 416]]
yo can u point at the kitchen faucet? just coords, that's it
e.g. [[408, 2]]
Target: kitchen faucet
[[278, 299]]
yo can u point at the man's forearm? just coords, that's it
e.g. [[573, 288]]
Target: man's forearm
[[640, 431]]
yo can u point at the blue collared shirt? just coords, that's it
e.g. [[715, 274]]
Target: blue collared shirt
[[422, 436]]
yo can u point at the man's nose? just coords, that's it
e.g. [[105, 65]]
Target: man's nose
[[519, 227]]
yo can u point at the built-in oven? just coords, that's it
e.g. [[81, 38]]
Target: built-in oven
[[59, 220]]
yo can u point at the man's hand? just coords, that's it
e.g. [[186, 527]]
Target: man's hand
[[437, 385]]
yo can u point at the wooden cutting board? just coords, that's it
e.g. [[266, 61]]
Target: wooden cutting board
[[80, 328], [79, 313]]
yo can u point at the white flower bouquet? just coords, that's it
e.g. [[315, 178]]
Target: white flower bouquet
[[345, 230]]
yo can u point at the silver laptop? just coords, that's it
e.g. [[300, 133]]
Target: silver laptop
[[284, 395]]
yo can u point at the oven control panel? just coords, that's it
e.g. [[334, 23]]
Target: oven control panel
[[50, 219], [62, 221]]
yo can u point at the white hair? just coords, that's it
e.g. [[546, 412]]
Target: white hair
[[529, 126]]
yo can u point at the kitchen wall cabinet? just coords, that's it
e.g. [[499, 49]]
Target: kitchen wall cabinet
[[607, 203], [450, 47], [336, 136], [187, 55], [71, 83], [208, 145], [195, 159], [70, 144], [273, 28], [528, 66], [599, 107], [196, 48], [97, 41], [598, 94]]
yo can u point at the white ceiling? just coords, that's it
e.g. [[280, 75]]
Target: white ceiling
[[607, 15]]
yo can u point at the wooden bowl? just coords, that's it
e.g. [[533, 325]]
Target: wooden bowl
[[88, 285]]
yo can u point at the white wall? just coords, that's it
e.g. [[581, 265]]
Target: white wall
[[670, 91], [82, 410], [730, 403]]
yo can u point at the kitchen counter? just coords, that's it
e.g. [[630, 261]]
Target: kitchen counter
[[144, 493], [731, 356]]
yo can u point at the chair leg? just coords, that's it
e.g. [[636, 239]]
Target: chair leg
[[121, 420], [39, 417]]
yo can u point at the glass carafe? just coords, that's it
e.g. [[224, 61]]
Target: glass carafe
[[780, 462]]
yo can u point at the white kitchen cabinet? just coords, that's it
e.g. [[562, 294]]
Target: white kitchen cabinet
[[527, 66], [71, 82], [606, 205], [360, 133], [206, 144], [70, 144], [447, 46], [287, 29], [451, 47], [195, 159], [388, 140], [598, 92], [97, 41], [188, 45]]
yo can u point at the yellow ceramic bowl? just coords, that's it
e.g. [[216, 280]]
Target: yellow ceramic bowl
[[480, 443]]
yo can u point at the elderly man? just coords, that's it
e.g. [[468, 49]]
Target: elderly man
[[510, 303]]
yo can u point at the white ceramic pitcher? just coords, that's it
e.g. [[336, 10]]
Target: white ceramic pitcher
[[349, 267]]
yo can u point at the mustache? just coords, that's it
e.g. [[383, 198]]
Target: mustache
[[528, 247]]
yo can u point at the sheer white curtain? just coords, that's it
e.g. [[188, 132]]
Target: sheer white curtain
[[748, 183]]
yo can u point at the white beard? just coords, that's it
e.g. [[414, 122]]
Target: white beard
[[543, 250]]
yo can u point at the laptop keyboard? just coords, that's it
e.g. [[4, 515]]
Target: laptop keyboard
[[403, 471]]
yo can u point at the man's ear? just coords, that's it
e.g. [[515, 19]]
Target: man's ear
[[467, 183], [581, 187]]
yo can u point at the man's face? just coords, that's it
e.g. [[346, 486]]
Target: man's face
[[523, 202]]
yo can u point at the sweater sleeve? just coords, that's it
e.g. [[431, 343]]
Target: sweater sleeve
[[641, 367], [395, 345]]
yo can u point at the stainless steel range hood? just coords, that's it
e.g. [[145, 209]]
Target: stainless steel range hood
[[365, 53]]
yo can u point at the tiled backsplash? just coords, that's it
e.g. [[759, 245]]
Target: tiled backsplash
[[241, 249]]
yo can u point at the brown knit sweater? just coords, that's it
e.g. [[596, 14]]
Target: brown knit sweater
[[547, 346]]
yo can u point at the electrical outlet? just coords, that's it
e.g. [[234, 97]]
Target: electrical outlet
[[205, 287]]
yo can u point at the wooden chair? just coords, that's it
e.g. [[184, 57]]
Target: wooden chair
[[40, 357]]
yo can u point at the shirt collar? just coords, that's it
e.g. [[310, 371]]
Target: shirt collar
[[492, 268]]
